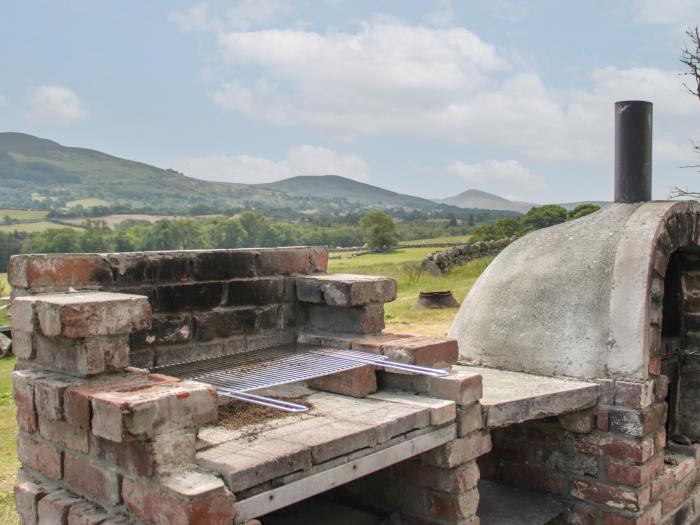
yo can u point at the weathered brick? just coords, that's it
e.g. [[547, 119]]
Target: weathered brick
[[637, 422], [72, 437], [578, 422], [85, 513], [530, 478], [423, 351], [23, 395], [214, 265], [222, 323], [469, 419], [84, 314], [374, 344], [464, 388], [39, 455], [256, 291], [152, 410], [634, 475], [632, 499], [460, 450], [163, 267], [195, 297], [27, 496], [24, 317], [358, 382], [559, 461], [674, 498], [458, 479], [286, 261], [49, 392], [193, 499], [454, 506], [358, 319], [634, 395], [58, 271], [53, 509], [651, 516], [22, 345], [345, 289], [618, 447], [82, 357], [98, 482]]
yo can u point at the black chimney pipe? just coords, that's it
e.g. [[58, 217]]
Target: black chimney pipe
[[633, 133]]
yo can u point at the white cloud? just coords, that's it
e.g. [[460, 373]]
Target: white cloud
[[54, 103], [497, 175], [667, 12], [302, 160], [4, 102], [443, 16], [240, 15]]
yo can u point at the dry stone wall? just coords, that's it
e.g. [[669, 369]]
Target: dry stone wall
[[441, 261]]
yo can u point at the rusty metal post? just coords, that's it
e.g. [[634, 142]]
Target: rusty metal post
[[633, 137]]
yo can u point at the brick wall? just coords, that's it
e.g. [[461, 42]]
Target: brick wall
[[612, 461]]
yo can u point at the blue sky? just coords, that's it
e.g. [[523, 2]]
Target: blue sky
[[427, 98]]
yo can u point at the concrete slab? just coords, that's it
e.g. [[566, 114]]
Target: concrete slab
[[501, 504], [514, 397]]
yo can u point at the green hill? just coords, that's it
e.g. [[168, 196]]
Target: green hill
[[334, 186], [30, 165]]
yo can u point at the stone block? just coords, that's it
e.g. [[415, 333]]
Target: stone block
[[156, 409], [53, 509], [244, 465], [98, 482], [358, 319], [72, 437], [345, 289], [191, 498], [58, 271], [459, 451], [358, 382], [39, 455], [84, 314], [27, 496]]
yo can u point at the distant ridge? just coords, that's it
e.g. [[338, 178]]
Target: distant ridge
[[335, 186], [486, 201]]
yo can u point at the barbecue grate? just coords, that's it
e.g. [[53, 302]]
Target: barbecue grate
[[235, 375]]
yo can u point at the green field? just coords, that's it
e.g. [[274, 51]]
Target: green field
[[87, 203], [402, 316], [33, 227], [22, 215], [455, 239], [8, 455]]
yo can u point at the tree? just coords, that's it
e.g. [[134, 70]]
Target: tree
[[543, 216], [581, 211], [690, 57], [379, 230], [498, 229]]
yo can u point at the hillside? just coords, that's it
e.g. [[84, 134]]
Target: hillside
[[334, 186], [43, 168], [487, 201]]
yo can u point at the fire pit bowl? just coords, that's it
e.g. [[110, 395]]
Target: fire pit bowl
[[441, 299]]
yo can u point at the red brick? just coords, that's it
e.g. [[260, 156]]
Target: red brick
[[97, 482], [458, 479], [454, 506], [660, 440], [601, 419], [651, 516], [674, 499], [423, 351], [634, 395], [634, 475], [23, 394], [39, 455], [375, 343], [85, 513], [58, 271], [578, 422], [632, 499], [459, 451], [655, 365], [358, 382], [617, 447], [319, 259], [464, 388], [662, 483], [27, 496], [72, 437], [53, 509], [49, 392], [162, 507], [469, 419], [286, 261]]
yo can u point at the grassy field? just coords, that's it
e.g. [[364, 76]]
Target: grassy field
[[87, 203], [402, 316], [33, 227], [8, 457], [454, 239], [22, 215]]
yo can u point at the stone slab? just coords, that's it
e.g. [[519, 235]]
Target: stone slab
[[514, 397], [501, 504]]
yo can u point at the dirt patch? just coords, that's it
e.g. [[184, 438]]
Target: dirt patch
[[239, 414]]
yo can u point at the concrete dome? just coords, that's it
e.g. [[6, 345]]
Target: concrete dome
[[580, 299]]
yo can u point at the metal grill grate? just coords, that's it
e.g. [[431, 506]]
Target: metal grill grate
[[234, 375]]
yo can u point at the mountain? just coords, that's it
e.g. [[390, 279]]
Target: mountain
[[335, 186], [487, 201], [45, 169]]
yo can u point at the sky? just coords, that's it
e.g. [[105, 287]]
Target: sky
[[428, 98]]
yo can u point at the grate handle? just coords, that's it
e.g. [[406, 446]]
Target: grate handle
[[269, 402]]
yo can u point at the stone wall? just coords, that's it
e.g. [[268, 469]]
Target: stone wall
[[441, 261]]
